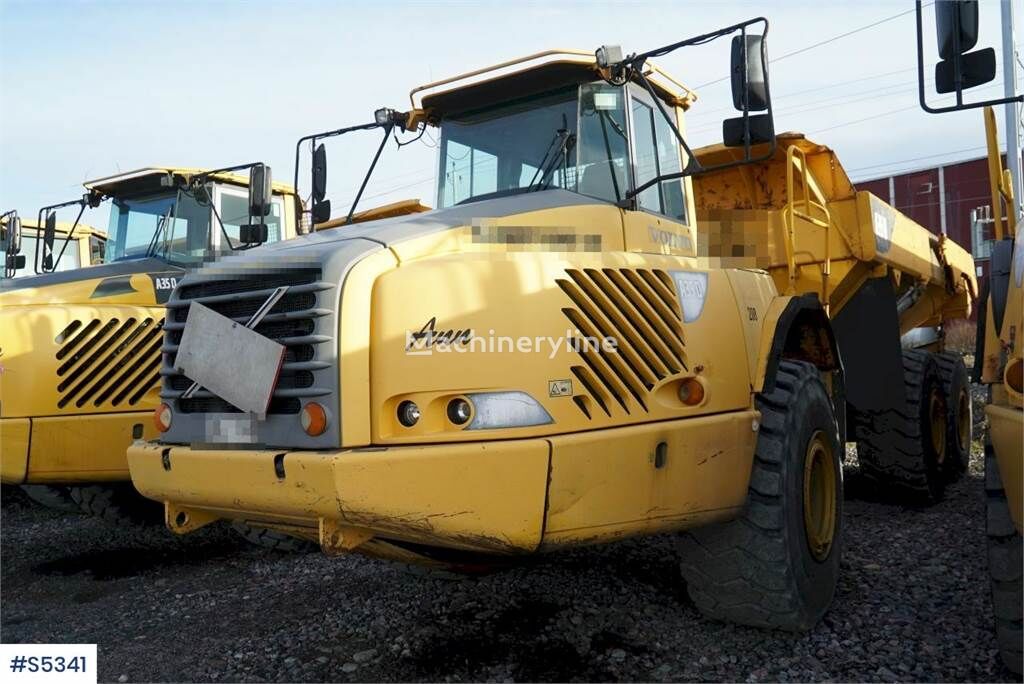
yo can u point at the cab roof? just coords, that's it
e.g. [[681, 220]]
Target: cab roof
[[150, 179], [529, 75]]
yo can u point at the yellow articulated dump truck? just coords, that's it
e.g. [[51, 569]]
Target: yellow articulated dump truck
[[86, 247], [998, 356], [599, 333], [80, 349], [1000, 366]]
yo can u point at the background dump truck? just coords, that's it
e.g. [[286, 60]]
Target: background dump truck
[[999, 364], [86, 248], [998, 357], [721, 322], [81, 348]]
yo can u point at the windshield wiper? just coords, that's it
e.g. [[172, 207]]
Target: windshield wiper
[[561, 144], [161, 226]]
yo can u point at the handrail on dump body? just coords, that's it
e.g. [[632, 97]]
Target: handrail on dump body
[[805, 208]]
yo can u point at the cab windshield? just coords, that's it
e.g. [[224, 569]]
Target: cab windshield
[[595, 139], [176, 227]]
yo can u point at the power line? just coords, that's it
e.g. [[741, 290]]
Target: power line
[[913, 159], [823, 42]]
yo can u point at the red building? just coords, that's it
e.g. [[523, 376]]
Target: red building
[[953, 199]]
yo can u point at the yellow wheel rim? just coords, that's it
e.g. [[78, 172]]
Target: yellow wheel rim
[[937, 416], [963, 418], [819, 496]]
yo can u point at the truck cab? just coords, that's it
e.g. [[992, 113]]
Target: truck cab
[[87, 247]]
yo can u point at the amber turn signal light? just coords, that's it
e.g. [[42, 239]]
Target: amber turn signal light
[[691, 392], [314, 419], [162, 417]]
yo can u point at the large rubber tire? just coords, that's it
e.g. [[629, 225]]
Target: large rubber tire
[[119, 504], [272, 539], [53, 497], [895, 447], [959, 426], [1004, 566], [759, 569]]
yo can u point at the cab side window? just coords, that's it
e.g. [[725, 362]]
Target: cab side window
[[234, 212], [656, 150]]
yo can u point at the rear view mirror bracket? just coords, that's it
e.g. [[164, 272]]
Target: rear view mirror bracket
[[44, 261], [957, 26]]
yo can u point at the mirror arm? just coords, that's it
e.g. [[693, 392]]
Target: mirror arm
[[37, 260], [960, 106], [314, 138], [369, 172], [71, 233], [691, 159]]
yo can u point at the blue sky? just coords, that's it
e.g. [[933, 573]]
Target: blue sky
[[88, 89]]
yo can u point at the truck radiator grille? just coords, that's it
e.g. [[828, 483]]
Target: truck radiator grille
[[638, 309], [293, 322], [114, 362]]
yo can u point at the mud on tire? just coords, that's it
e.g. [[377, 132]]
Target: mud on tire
[[52, 497], [760, 569], [118, 504], [957, 390], [272, 539], [895, 447], [1004, 566]]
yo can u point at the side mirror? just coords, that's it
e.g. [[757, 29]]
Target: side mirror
[[749, 78], [319, 173], [253, 234], [956, 28], [321, 212], [12, 237], [260, 190], [749, 71], [49, 233]]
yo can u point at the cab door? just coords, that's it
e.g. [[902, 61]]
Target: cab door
[[663, 222]]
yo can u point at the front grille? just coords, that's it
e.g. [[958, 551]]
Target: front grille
[[113, 362], [294, 322], [639, 310]]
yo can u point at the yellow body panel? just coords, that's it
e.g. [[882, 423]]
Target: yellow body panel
[[703, 477], [15, 436], [85, 448]]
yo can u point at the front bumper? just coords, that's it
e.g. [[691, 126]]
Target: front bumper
[[510, 496], [70, 449]]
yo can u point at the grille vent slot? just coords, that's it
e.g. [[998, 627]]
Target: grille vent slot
[[292, 322], [114, 362], [639, 310]]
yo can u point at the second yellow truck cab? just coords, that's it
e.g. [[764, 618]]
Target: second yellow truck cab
[[558, 356], [80, 348], [87, 247]]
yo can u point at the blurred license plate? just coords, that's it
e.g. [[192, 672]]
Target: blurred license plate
[[231, 429]]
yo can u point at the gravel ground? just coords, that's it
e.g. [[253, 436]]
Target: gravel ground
[[912, 604]]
